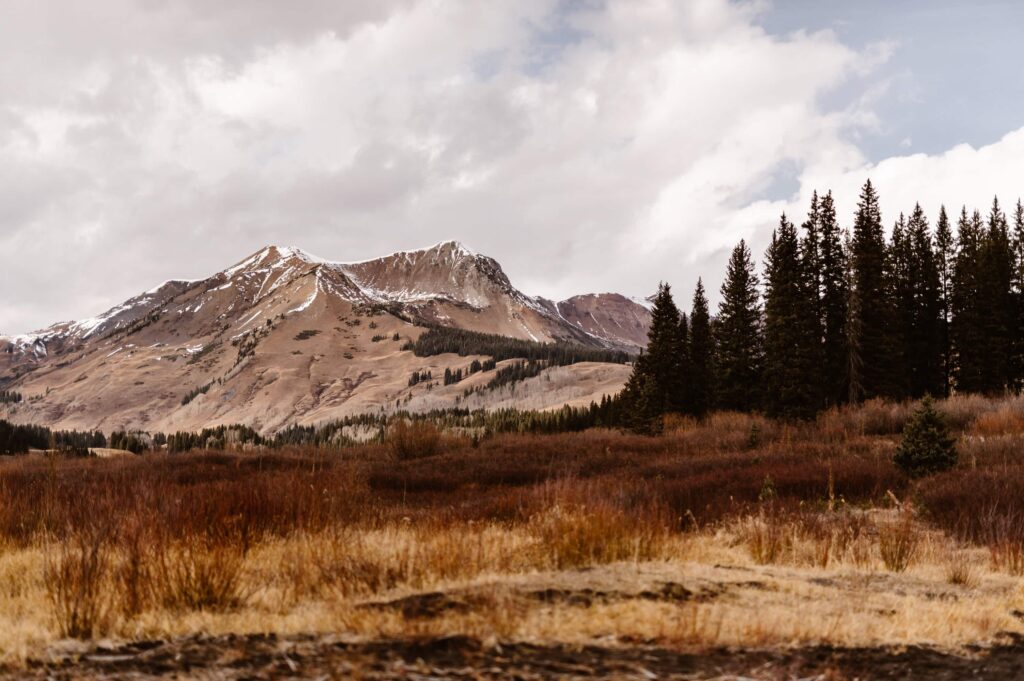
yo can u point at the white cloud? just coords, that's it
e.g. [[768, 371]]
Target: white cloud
[[600, 147]]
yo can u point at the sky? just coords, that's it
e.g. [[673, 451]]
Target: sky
[[588, 145]]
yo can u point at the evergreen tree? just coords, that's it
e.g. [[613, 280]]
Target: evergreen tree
[[738, 335], [684, 401], [996, 302], [926, 446], [834, 292], [655, 385], [901, 291], [810, 250], [792, 349], [1017, 293], [966, 326], [870, 312], [945, 253], [700, 360], [923, 339]]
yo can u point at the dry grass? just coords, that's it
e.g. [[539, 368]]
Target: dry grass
[[323, 581], [898, 543], [732, 531]]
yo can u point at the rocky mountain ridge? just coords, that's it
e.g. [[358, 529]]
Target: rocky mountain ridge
[[283, 336]]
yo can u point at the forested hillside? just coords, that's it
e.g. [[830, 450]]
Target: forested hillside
[[442, 339]]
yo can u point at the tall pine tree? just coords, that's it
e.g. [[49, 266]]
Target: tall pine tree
[[945, 254], [834, 292], [700, 379], [996, 302], [923, 339], [1017, 335], [870, 312], [898, 279], [738, 335], [792, 349], [966, 326], [655, 385], [810, 250]]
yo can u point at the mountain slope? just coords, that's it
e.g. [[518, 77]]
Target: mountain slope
[[284, 337]]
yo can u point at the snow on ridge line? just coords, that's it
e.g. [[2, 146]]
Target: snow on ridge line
[[458, 248], [286, 252], [273, 258], [166, 282], [642, 302]]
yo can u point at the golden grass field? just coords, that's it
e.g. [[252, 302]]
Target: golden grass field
[[735, 532]]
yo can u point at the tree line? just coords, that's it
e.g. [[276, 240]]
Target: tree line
[[480, 423], [438, 340], [844, 315], [18, 439]]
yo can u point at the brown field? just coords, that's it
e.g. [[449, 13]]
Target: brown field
[[733, 546]]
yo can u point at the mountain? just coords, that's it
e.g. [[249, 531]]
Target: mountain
[[284, 337], [612, 317]]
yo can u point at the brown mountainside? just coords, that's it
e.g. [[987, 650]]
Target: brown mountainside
[[283, 337]]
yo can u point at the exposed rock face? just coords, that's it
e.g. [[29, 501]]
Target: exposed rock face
[[283, 337], [613, 317]]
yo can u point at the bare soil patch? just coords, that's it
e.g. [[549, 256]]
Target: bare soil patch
[[273, 657]]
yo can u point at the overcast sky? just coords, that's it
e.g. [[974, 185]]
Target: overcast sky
[[588, 146]]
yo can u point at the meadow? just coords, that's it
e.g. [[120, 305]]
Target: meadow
[[732, 531]]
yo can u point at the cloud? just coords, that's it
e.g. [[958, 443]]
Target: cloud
[[587, 146], [961, 176]]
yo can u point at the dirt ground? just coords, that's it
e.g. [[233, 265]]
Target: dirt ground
[[459, 657]]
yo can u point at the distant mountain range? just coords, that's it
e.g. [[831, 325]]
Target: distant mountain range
[[283, 337]]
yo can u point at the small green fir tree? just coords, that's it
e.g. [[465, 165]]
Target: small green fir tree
[[926, 447]]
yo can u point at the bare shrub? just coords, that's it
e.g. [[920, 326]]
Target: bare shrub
[[347, 567], [983, 507], [678, 423], [767, 536], [873, 417], [833, 536], [599, 533], [414, 439], [961, 410], [134, 571], [898, 543], [1006, 421], [1008, 556], [78, 585], [1005, 538], [201, 573]]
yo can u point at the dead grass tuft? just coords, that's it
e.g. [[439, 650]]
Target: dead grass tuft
[[898, 542]]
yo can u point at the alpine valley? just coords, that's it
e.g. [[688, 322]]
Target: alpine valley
[[284, 338]]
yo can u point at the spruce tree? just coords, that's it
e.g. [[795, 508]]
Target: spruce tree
[[923, 340], [926, 446], [901, 297], [833, 298], [654, 386], [945, 253], [966, 326], [870, 314], [792, 350], [1017, 294], [738, 335], [700, 365], [996, 302], [810, 250], [684, 400]]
